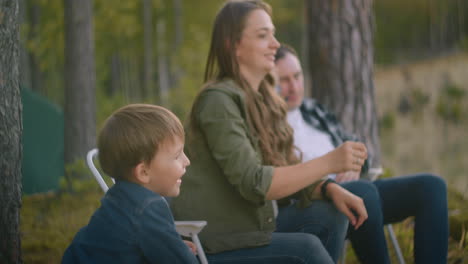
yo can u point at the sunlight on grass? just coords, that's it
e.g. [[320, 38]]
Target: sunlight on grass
[[50, 221]]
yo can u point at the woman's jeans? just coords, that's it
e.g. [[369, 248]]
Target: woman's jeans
[[309, 235], [391, 200]]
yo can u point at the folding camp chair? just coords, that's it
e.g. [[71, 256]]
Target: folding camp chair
[[184, 228], [374, 173]]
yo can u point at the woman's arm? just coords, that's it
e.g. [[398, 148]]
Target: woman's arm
[[290, 179], [220, 118]]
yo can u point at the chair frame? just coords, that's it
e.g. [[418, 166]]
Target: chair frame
[[184, 228]]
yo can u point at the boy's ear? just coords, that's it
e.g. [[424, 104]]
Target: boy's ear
[[140, 173]]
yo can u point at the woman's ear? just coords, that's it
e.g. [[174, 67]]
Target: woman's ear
[[140, 173]]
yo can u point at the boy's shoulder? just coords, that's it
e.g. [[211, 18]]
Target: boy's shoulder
[[133, 192]]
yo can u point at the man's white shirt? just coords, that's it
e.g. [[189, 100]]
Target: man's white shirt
[[312, 142]]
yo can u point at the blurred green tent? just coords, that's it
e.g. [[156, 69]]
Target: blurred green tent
[[43, 146]]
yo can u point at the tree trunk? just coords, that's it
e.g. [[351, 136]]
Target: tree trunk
[[10, 134], [115, 75], [36, 75], [178, 25], [163, 68], [176, 71], [80, 79], [148, 85], [341, 57]]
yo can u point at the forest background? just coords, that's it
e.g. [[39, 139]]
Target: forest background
[[154, 51]]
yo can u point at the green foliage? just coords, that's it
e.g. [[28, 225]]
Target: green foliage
[[288, 17], [459, 217], [181, 99], [387, 173], [464, 43], [107, 105], [408, 30], [420, 98], [413, 101], [451, 105], [50, 221], [387, 121], [119, 36], [45, 40]]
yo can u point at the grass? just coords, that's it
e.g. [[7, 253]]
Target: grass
[[50, 221]]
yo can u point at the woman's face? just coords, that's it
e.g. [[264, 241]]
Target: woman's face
[[255, 52]]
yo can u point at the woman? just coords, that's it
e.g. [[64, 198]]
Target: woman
[[242, 157]]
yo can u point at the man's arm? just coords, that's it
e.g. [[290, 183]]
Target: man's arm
[[329, 123]]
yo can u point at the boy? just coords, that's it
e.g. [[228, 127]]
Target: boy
[[141, 147]]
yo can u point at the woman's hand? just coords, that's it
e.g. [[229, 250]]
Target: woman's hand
[[347, 176], [191, 246], [349, 204], [349, 156]]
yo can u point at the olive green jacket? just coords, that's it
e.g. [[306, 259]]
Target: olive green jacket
[[226, 183]]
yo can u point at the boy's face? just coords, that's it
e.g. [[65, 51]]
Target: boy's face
[[165, 170]]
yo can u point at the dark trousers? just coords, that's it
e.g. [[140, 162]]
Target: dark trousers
[[391, 200], [314, 234]]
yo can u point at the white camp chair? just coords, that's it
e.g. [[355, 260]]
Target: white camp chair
[[374, 174], [184, 228]]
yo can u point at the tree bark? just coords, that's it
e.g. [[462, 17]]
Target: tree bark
[[148, 83], [163, 68], [115, 75], [10, 134], [176, 72], [36, 73], [80, 80], [341, 56], [178, 25]]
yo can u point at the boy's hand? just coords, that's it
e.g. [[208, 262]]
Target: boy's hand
[[191, 246], [349, 204]]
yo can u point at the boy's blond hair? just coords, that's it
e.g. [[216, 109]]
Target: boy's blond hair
[[133, 134]]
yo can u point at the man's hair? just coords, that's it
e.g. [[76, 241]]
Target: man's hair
[[133, 134], [283, 50]]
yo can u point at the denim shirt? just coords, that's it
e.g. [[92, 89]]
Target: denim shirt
[[133, 225]]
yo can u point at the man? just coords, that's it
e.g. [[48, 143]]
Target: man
[[424, 196]]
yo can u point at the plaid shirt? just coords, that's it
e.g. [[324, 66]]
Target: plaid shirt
[[322, 119]]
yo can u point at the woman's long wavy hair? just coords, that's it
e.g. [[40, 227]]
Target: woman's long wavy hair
[[266, 118]]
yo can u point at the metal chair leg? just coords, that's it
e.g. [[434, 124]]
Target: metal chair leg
[[342, 259], [201, 254], [393, 239], [395, 244]]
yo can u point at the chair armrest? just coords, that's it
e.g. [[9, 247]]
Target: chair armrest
[[189, 228], [374, 173]]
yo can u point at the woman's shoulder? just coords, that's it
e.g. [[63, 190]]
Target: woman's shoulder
[[221, 91], [225, 86], [219, 97]]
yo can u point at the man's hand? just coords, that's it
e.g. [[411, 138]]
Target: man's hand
[[349, 204], [191, 246], [347, 176]]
